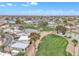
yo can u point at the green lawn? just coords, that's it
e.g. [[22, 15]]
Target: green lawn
[[33, 26], [48, 29], [52, 45]]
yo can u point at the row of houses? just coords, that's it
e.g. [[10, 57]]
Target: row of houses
[[14, 40], [72, 32], [17, 43]]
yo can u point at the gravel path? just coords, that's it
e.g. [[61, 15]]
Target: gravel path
[[31, 50]]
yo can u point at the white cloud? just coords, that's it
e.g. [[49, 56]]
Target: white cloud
[[33, 3], [62, 12], [24, 5], [51, 12], [29, 4], [2, 5], [10, 4]]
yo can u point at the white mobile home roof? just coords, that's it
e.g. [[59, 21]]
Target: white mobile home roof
[[21, 34], [31, 30], [4, 54], [24, 38], [16, 51], [20, 45]]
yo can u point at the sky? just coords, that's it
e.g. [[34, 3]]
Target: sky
[[39, 8]]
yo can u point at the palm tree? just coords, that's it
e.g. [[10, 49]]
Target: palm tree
[[70, 28], [75, 44], [33, 38]]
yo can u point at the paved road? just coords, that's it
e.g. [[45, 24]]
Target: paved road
[[9, 39]]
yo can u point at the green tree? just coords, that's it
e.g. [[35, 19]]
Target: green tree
[[75, 44], [68, 54], [65, 21], [2, 48], [43, 23], [21, 54], [61, 29], [18, 21], [57, 21], [2, 33]]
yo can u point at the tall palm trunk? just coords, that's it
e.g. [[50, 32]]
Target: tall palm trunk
[[74, 50]]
